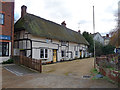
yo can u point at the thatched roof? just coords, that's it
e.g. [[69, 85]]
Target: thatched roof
[[115, 39], [44, 28]]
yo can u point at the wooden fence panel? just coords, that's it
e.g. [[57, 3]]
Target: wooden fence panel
[[28, 62]]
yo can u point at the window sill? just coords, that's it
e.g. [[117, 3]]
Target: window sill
[[44, 58], [5, 56]]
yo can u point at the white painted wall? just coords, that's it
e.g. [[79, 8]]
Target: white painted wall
[[38, 42], [99, 38]]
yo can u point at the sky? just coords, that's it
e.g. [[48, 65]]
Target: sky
[[78, 14]]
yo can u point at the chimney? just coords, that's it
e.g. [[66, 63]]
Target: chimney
[[63, 24], [23, 10], [79, 31], [107, 35]]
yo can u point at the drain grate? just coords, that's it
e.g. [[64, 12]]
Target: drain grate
[[86, 76]]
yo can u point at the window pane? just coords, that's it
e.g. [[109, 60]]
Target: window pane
[[1, 18], [42, 53], [76, 53], [63, 53], [5, 49], [1, 21], [46, 53], [1, 15]]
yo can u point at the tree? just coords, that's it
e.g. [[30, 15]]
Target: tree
[[108, 49], [89, 38], [115, 38], [98, 49], [103, 50]]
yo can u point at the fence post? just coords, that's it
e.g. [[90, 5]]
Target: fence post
[[20, 59], [40, 66]]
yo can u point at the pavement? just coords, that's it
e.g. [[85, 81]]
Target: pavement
[[18, 70], [59, 75]]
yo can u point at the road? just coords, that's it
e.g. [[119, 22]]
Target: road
[[59, 75]]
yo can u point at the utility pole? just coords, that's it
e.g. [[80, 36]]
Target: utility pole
[[94, 33]]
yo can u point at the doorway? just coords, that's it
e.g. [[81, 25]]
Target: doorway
[[54, 55]]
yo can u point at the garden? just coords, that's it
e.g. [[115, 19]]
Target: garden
[[109, 66]]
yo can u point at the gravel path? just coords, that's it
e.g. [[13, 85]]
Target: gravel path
[[59, 75], [76, 68]]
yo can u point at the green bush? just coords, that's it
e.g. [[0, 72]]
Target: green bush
[[94, 71], [9, 61]]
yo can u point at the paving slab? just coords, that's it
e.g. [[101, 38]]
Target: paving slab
[[19, 70]]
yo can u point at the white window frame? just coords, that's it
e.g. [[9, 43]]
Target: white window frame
[[2, 18], [44, 53]]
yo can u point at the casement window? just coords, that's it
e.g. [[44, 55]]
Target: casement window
[[76, 53], [63, 53], [4, 49], [1, 19], [43, 53]]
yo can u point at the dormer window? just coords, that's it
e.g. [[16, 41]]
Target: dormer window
[[1, 19], [63, 43], [48, 40]]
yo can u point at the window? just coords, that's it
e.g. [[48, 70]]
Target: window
[[76, 53], [1, 19], [46, 53], [43, 53], [4, 49], [63, 53], [48, 40], [63, 43]]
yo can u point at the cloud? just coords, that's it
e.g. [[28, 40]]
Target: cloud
[[56, 9], [73, 12]]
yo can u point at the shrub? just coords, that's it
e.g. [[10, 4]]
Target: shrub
[[9, 61]]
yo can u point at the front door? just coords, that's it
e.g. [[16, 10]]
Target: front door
[[80, 53], [54, 55]]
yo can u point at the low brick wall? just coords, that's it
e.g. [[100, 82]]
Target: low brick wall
[[103, 65], [113, 75]]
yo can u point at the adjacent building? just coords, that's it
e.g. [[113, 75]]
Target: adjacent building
[[39, 38], [97, 37], [6, 30], [106, 39]]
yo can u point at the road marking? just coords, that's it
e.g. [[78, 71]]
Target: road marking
[[14, 72]]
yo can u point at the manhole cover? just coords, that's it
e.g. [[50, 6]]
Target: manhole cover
[[86, 77]]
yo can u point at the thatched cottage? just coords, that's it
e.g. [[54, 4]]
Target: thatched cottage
[[39, 38]]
